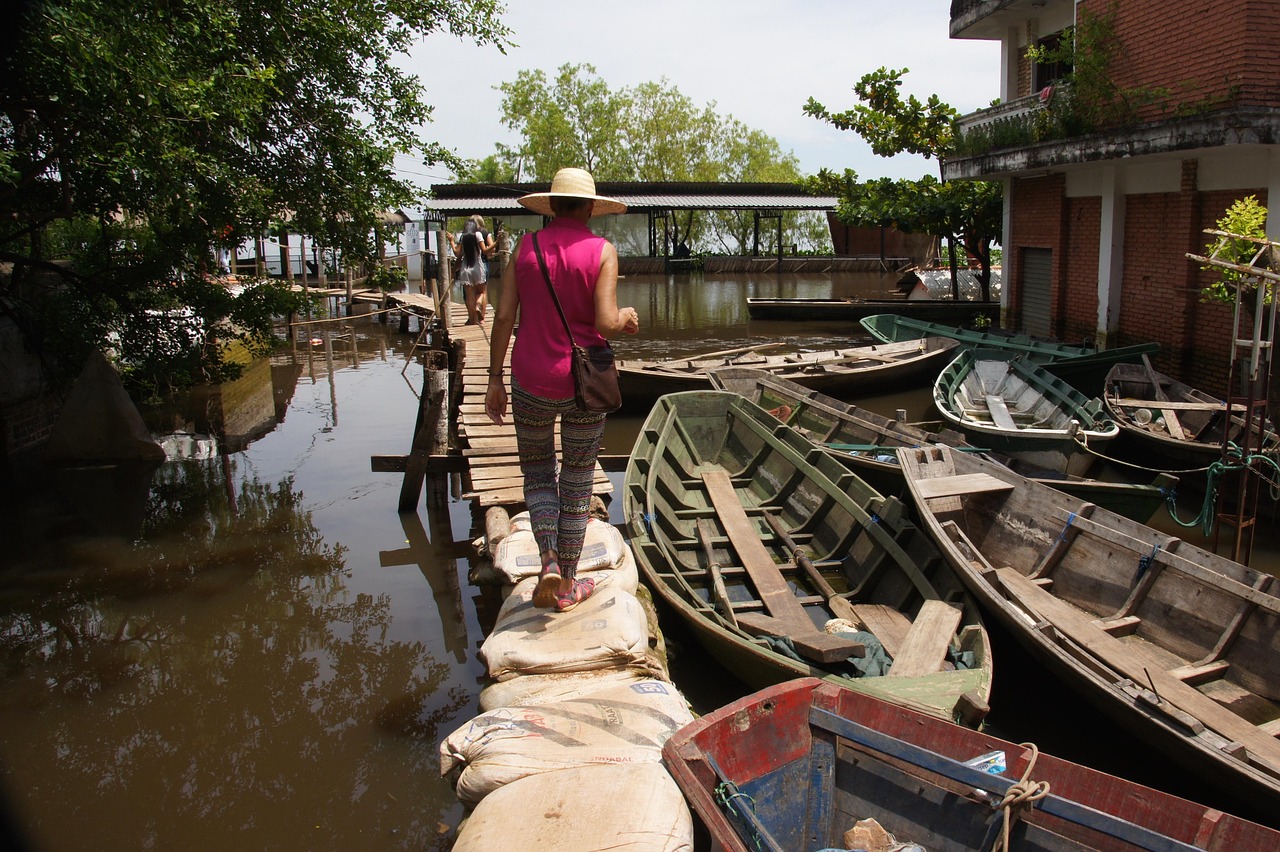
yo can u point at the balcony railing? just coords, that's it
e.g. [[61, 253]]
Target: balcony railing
[[1007, 109]]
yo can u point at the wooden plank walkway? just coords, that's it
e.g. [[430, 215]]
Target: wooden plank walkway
[[490, 450]]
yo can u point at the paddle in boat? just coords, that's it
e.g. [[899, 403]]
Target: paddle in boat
[[1178, 644], [811, 765], [783, 563]]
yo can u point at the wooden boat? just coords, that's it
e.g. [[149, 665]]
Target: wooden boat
[[867, 443], [1083, 366], [798, 765], [1176, 422], [749, 532], [1176, 643], [839, 372], [852, 310], [1013, 406]]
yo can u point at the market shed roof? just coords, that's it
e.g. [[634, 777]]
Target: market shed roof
[[640, 197]]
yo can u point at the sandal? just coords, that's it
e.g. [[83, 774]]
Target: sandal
[[544, 594], [581, 590]]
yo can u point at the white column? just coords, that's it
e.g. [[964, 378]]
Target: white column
[[1273, 195], [1110, 254]]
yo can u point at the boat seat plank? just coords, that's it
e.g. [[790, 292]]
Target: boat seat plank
[[1196, 674], [1141, 668], [925, 648], [1000, 412], [886, 624], [813, 645], [1271, 729], [965, 483], [787, 615]]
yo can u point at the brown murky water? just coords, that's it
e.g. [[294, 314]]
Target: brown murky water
[[249, 646]]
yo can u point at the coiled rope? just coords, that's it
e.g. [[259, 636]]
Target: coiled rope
[[1020, 796]]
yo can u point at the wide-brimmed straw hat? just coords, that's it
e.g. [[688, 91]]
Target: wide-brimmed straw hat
[[572, 183]]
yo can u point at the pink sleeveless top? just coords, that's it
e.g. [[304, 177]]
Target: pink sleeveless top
[[540, 357]]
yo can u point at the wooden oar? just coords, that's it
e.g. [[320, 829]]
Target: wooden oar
[[1170, 418], [718, 590], [839, 605], [741, 350]]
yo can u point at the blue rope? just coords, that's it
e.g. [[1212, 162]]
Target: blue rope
[[1062, 536]]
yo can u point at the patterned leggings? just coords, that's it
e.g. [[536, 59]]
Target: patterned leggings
[[557, 507]]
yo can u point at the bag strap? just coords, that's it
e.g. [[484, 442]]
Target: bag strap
[[546, 276]]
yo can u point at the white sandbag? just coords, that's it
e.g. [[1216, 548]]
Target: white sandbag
[[630, 808], [530, 690], [607, 630], [621, 725], [517, 554]]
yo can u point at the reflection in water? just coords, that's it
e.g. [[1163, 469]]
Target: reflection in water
[[195, 684]]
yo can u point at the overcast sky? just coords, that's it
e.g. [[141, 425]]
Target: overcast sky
[[758, 60]]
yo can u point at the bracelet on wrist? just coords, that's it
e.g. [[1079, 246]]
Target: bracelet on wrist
[[497, 374]]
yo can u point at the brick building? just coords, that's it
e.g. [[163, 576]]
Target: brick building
[[1098, 223]]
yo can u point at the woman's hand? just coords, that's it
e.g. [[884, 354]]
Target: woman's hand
[[630, 320], [495, 401]]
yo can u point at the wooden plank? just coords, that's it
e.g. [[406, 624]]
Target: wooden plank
[[886, 624], [965, 483], [1175, 405], [1131, 662], [771, 586], [1000, 412], [925, 648], [814, 644]]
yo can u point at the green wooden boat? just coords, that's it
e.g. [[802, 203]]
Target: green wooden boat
[[1084, 367], [758, 539], [867, 443], [1014, 406]]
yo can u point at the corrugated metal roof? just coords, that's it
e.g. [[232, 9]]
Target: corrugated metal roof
[[645, 203], [639, 197]]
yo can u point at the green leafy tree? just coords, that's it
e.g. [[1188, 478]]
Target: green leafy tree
[[1246, 221], [650, 132], [892, 124], [137, 139]]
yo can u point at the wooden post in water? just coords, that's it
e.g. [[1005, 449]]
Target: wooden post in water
[[431, 432], [444, 289]]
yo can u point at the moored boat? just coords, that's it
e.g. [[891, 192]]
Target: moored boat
[[762, 543], [1176, 643], [1083, 366], [839, 372], [810, 765], [1014, 406], [854, 309], [1180, 424], [867, 442]]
